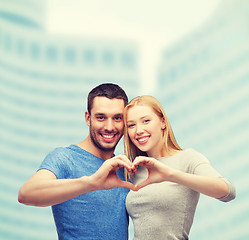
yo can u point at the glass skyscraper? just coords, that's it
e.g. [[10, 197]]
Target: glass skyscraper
[[204, 88], [44, 82]]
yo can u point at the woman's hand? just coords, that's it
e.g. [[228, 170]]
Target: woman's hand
[[157, 172]]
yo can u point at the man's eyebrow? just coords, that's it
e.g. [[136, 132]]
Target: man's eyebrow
[[103, 114], [99, 114]]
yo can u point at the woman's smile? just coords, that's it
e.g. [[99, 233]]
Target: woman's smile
[[143, 140]]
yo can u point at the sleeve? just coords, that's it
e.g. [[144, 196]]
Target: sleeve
[[201, 166], [55, 162]]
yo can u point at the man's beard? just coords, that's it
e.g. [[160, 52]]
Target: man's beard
[[98, 144]]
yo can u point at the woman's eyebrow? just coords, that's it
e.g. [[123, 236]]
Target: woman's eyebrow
[[130, 121], [146, 116]]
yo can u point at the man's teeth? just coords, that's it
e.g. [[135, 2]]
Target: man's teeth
[[108, 136]]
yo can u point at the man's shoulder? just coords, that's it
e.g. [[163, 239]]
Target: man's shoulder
[[60, 151]]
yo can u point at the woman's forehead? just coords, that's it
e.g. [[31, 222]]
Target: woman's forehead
[[139, 111]]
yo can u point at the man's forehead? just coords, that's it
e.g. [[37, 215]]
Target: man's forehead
[[104, 104]]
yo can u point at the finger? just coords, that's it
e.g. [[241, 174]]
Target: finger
[[133, 170], [143, 184], [136, 161], [139, 158], [124, 158], [126, 184], [141, 162], [119, 163]]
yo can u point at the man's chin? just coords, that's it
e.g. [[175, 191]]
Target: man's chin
[[107, 148], [103, 145]]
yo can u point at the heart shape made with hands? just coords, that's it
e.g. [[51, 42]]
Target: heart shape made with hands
[[157, 171], [144, 183], [152, 165]]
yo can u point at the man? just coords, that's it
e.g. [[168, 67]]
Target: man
[[69, 177]]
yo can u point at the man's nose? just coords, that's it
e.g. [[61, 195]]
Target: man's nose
[[109, 126]]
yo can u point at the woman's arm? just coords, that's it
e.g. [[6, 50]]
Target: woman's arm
[[211, 186], [158, 172]]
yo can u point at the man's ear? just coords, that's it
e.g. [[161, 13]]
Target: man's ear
[[87, 118]]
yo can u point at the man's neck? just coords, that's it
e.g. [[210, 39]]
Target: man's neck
[[88, 146]]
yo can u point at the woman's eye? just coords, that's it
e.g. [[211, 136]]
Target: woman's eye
[[131, 125], [146, 120]]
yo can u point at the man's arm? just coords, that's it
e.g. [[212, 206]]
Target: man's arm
[[44, 189]]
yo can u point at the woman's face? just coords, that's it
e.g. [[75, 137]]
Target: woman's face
[[145, 129]]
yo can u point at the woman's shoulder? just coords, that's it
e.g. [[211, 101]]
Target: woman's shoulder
[[185, 153], [194, 157]]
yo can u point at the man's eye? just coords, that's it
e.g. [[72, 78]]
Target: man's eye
[[100, 118], [118, 118]]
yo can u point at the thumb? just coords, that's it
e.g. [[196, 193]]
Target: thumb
[[143, 184], [126, 184]]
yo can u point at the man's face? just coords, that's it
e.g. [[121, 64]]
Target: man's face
[[106, 122]]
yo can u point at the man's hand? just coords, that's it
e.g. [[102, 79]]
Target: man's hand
[[106, 176]]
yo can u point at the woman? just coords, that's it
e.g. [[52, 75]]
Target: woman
[[165, 209]]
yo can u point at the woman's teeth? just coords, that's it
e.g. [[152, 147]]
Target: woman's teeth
[[142, 139]]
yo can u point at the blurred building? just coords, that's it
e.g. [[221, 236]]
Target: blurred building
[[204, 87], [44, 82]]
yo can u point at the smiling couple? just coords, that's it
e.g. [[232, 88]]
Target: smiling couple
[[86, 184]]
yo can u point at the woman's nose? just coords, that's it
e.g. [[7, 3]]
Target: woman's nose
[[139, 129]]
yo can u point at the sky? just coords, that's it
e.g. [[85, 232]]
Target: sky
[[153, 24]]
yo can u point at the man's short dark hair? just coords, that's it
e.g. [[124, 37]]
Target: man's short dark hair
[[108, 90]]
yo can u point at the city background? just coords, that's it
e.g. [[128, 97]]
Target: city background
[[193, 56]]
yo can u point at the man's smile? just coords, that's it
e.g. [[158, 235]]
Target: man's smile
[[108, 137]]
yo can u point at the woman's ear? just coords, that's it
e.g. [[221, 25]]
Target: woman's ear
[[87, 118], [163, 124]]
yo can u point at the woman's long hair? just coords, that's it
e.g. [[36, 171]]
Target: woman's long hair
[[169, 141]]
